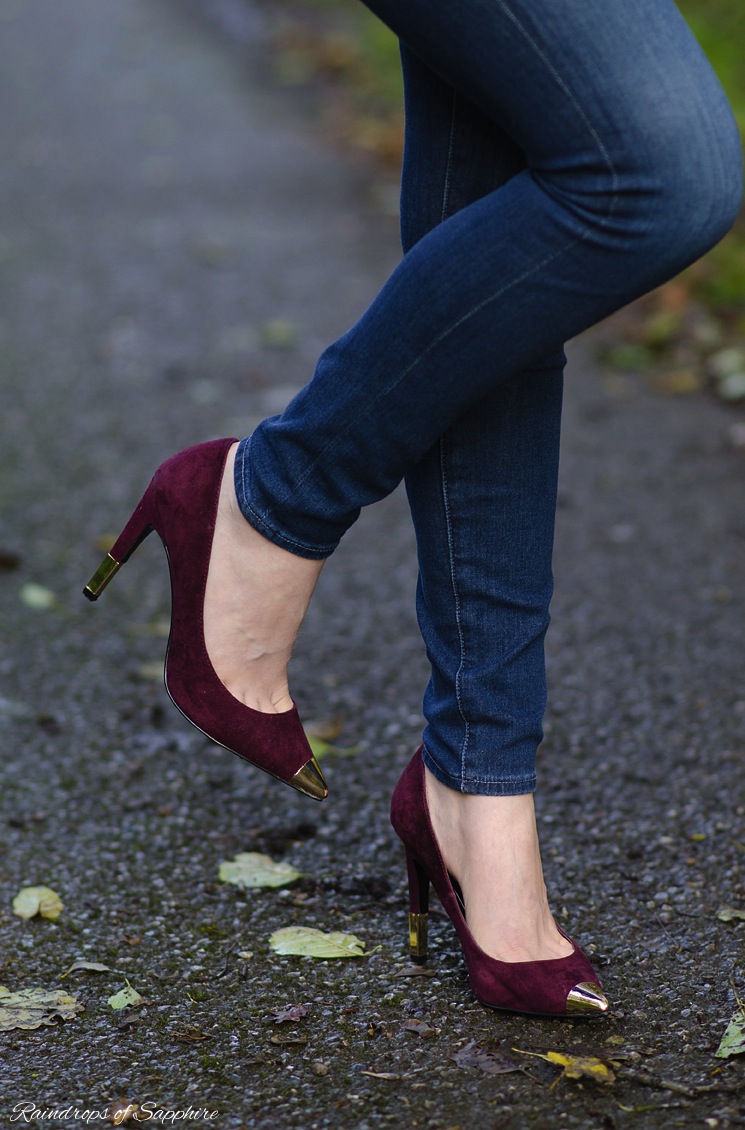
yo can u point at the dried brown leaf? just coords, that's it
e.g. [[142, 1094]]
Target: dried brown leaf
[[291, 1014], [421, 1028], [472, 1055]]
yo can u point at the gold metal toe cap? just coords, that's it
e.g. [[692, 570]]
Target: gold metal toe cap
[[586, 998], [310, 780]]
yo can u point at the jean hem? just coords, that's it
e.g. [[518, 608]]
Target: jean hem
[[259, 522], [504, 786]]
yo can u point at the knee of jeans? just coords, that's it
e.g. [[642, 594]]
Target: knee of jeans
[[697, 176]]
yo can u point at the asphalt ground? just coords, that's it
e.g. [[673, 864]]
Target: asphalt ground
[[177, 243]]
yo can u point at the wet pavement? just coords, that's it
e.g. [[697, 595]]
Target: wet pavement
[[177, 243]]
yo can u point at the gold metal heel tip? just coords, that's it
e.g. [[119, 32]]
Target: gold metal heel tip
[[310, 781], [418, 924], [101, 577], [586, 999]]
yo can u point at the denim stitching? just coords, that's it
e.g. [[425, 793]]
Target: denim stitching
[[330, 447], [567, 91], [507, 786], [449, 165], [457, 606]]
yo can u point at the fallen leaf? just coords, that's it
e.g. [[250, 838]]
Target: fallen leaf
[[278, 1038], [30, 1008], [90, 966], [380, 1074], [124, 997], [733, 1040], [122, 1111], [291, 1014], [730, 914], [307, 942], [252, 870], [279, 333], [190, 1034], [37, 900], [321, 749], [415, 971], [37, 597], [471, 1055], [577, 1066], [9, 708], [422, 1028], [245, 955]]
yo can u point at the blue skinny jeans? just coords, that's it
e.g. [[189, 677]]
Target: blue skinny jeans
[[562, 158]]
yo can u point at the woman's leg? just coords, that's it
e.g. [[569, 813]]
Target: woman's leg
[[633, 170], [483, 503]]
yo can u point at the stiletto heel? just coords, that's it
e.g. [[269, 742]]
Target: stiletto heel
[[563, 986], [136, 530], [418, 909], [180, 504]]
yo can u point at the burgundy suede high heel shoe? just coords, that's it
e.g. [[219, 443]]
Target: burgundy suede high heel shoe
[[180, 504], [564, 986]]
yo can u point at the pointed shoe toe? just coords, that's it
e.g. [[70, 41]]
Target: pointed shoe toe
[[310, 781], [586, 999]]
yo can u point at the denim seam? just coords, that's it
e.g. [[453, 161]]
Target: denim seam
[[334, 443], [457, 606], [449, 164], [568, 92]]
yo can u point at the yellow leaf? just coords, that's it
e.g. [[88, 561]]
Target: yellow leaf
[[37, 900], [307, 942], [576, 1067], [30, 1008], [250, 870]]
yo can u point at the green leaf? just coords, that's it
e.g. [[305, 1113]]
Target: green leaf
[[733, 1040], [322, 748], [279, 333], [306, 942], [37, 900], [251, 870], [124, 997], [30, 1008]]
